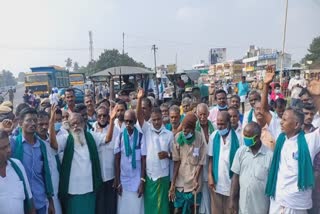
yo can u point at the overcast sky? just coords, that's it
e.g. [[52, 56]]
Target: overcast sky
[[46, 32]]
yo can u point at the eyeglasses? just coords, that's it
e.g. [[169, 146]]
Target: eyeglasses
[[102, 115], [129, 121]]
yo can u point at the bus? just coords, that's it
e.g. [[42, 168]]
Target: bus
[[77, 80], [42, 79]]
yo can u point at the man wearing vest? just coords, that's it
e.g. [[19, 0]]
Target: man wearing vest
[[32, 152], [15, 192], [291, 178]]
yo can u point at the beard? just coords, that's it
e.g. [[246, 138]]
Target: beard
[[102, 125], [79, 137]]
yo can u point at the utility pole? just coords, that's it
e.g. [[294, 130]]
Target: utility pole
[[283, 43], [90, 46], [154, 49], [123, 43]]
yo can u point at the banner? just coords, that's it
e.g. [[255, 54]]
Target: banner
[[217, 55]]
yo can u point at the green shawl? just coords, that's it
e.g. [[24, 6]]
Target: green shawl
[[27, 201], [305, 170], [210, 127], [127, 146], [183, 140], [216, 153], [250, 115], [67, 162], [18, 154]]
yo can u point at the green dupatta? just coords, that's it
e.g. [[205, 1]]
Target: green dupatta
[[210, 127], [67, 161], [305, 169], [216, 153], [18, 154], [27, 203]]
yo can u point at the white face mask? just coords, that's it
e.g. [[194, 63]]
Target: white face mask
[[297, 77]]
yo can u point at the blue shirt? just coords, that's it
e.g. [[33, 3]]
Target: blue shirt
[[33, 163], [243, 88]]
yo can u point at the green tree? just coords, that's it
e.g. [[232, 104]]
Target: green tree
[[21, 76], [68, 63], [75, 66], [7, 79], [314, 51]]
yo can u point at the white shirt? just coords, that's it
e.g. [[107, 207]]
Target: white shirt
[[224, 182], [245, 118], [54, 99], [287, 192], [11, 190], [130, 177], [295, 91], [80, 181], [156, 143], [316, 120], [106, 154]]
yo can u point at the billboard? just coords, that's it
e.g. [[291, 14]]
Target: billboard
[[217, 55]]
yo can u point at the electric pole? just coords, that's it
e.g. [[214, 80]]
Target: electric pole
[[123, 43], [90, 46], [154, 49]]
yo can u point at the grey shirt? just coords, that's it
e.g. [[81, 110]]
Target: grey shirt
[[253, 173]]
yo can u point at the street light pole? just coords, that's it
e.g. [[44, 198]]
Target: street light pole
[[283, 43]]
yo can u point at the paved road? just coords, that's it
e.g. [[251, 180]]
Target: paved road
[[18, 95]]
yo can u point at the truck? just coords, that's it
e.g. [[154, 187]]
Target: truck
[[77, 80], [41, 80]]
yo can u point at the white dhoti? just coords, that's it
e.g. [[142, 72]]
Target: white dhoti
[[57, 205], [130, 203], [205, 207], [276, 208]]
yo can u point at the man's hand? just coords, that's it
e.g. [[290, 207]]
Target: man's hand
[[196, 185], [53, 113], [211, 183], [314, 87], [7, 125], [233, 207], [270, 73], [141, 189], [51, 209], [163, 155], [140, 94], [118, 188], [172, 193], [113, 114]]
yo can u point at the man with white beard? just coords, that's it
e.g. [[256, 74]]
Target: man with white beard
[[78, 185]]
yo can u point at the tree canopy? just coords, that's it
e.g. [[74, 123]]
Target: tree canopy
[[314, 52], [7, 78]]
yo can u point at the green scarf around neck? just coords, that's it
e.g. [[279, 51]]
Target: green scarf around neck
[[65, 168], [250, 115], [129, 151], [216, 153], [210, 127], [18, 154], [27, 203], [183, 140], [305, 169]]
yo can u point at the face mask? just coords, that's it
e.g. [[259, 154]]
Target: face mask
[[57, 126], [223, 132], [249, 141], [222, 107], [188, 136], [156, 130], [297, 77], [277, 91]]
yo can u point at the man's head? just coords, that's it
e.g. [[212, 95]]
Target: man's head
[[186, 104], [280, 106], [43, 124], [254, 96], [309, 110], [203, 113], [19, 108], [6, 113], [156, 118], [251, 135], [5, 149], [82, 109], [88, 101], [223, 122], [122, 107], [234, 117], [102, 116], [258, 113], [277, 88], [28, 120], [174, 113], [235, 101], [297, 75], [70, 97], [77, 125], [221, 97], [189, 124], [165, 112], [291, 121], [146, 108], [305, 96], [130, 119], [133, 95], [243, 78]]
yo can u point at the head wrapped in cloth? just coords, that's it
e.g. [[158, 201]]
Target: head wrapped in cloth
[[190, 121]]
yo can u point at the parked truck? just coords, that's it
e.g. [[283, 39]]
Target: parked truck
[[41, 80]]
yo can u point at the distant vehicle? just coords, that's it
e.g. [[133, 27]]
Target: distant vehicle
[[77, 80], [78, 93], [42, 79]]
